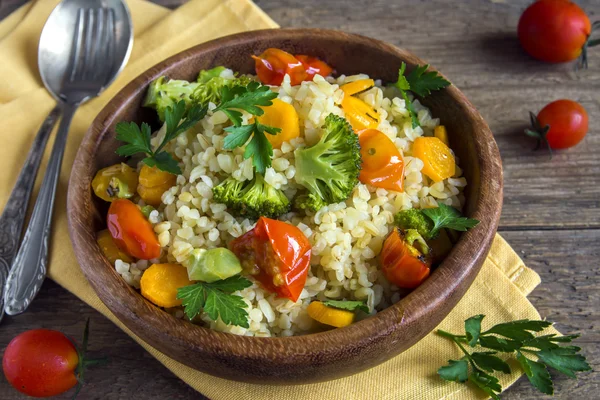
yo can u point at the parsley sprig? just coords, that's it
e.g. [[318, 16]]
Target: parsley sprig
[[445, 216], [349, 305], [249, 98], [137, 138], [216, 300], [511, 337], [421, 82]]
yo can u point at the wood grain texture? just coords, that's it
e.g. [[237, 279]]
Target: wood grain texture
[[474, 43], [325, 355]]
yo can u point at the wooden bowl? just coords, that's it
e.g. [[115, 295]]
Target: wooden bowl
[[316, 357]]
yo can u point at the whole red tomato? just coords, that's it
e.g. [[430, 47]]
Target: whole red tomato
[[554, 30], [41, 363], [562, 124]]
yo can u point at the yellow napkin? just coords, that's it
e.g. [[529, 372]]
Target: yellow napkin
[[499, 291]]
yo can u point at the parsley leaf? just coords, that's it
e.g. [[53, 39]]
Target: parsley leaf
[[445, 216], [565, 360], [489, 362], [537, 373], [422, 82], [259, 148], [519, 330], [518, 337], [473, 329], [456, 371], [247, 98], [138, 139], [487, 383], [216, 300], [347, 305]]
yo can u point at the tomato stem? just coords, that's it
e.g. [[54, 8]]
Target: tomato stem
[[539, 133], [83, 362], [582, 62]]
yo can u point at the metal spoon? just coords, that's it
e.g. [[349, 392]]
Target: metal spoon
[[83, 47]]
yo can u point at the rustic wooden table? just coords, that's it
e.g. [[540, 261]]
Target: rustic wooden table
[[551, 210]]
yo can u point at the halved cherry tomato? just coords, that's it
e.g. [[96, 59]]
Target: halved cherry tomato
[[568, 122], [272, 65], [359, 114], [131, 231], [277, 254], [383, 165], [41, 363], [554, 30], [358, 86], [439, 161], [314, 66], [402, 263]]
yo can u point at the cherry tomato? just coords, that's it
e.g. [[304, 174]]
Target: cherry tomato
[[402, 264], [41, 363], [568, 123], [131, 231], [383, 165], [272, 65], [277, 254], [554, 30], [314, 66]]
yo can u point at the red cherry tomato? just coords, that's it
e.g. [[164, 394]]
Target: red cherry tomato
[[131, 231], [554, 30], [272, 65], [41, 363], [568, 123], [383, 165], [402, 264], [314, 66], [277, 254]]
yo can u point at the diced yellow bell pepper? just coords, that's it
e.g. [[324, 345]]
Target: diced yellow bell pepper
[[358, 86], [160, 282], [329, 315], [441, 133], [283, 116], [115, 182], [110, 249], [359, 114], [437, 157], [153, 183]]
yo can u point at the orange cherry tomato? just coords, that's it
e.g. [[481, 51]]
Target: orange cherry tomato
[[41, 363], [554, 30], [314, 66], [402, 264], [383, 165], [273, 64], [277, 254], [131, 231]]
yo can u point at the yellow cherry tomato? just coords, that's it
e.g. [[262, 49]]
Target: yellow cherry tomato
[[329, 315], [110, 249], [359, 114], [358, 86], [441, 133], [437, 157], [115, 182], [383, 165]]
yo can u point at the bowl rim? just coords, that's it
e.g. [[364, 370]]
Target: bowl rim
[[436, 292]]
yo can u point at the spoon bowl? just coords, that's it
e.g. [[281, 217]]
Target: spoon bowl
[[55, 47]]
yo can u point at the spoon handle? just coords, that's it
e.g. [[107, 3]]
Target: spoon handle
[[13, 216], [29, 268]]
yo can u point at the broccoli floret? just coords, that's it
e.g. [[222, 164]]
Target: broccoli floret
[[251, 199], [330, 168], [414, 219], [164, 92], [211, 85]]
